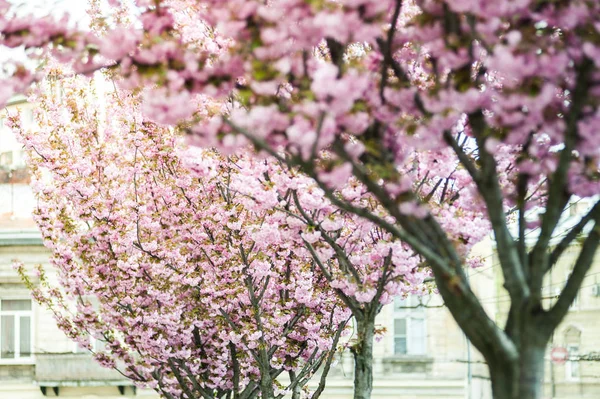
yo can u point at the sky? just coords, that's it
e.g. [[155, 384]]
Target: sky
[[58, 7], [75, 8]]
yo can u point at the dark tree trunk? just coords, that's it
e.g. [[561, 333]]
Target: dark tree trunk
[[503, 378], [363, 359], [531, 376], [523, 379]]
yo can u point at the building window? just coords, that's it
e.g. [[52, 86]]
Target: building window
[[15, 328], [572, 365], [572, 342], [409, 327]]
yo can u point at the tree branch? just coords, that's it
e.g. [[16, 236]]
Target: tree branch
[[582, 265], [593, 214], [184, 385], [340, 253], [464, 159], [236, 371], [386, 49], [488, 186], [323, 380], [352, 304], [557, 193]]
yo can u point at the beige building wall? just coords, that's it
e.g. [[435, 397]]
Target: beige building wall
[[53, 364], [579, 334], [10, 149]]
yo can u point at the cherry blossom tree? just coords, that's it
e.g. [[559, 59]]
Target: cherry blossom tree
[[194, 292], [434, 107], [122, 206]]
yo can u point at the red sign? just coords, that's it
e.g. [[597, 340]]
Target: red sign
[[559, 355]]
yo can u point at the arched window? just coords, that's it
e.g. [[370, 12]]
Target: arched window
[[572, 339]]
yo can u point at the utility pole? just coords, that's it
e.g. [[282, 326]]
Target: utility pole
[[469, 370], [552, 381]]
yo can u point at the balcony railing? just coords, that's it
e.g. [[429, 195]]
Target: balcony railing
[[74, 369]]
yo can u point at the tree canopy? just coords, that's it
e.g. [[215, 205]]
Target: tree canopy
[[442, 111]]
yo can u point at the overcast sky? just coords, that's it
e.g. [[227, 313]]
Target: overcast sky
[[75, 8], [58, 7]]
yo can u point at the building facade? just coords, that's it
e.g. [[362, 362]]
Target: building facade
[[36, 359]]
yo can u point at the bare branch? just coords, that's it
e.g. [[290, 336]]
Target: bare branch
[[236, 370], [464, 159], [593, 214], [323, 380], [386, 50], [486, 179], [341, 254], [349, 301], [557, 194], [582, 265], [183, 384]]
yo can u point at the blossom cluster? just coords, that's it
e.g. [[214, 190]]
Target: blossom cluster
[[178, 256], [371, 78], [169, 266]]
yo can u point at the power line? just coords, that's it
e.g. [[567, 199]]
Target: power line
[[564, 233], [506, 298]]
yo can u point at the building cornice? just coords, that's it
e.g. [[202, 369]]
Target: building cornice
[[20, 238]]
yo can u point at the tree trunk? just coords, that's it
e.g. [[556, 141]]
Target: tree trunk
[[266, 381], [522, 380], [266, 387], [363, 359], [531, 379]]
